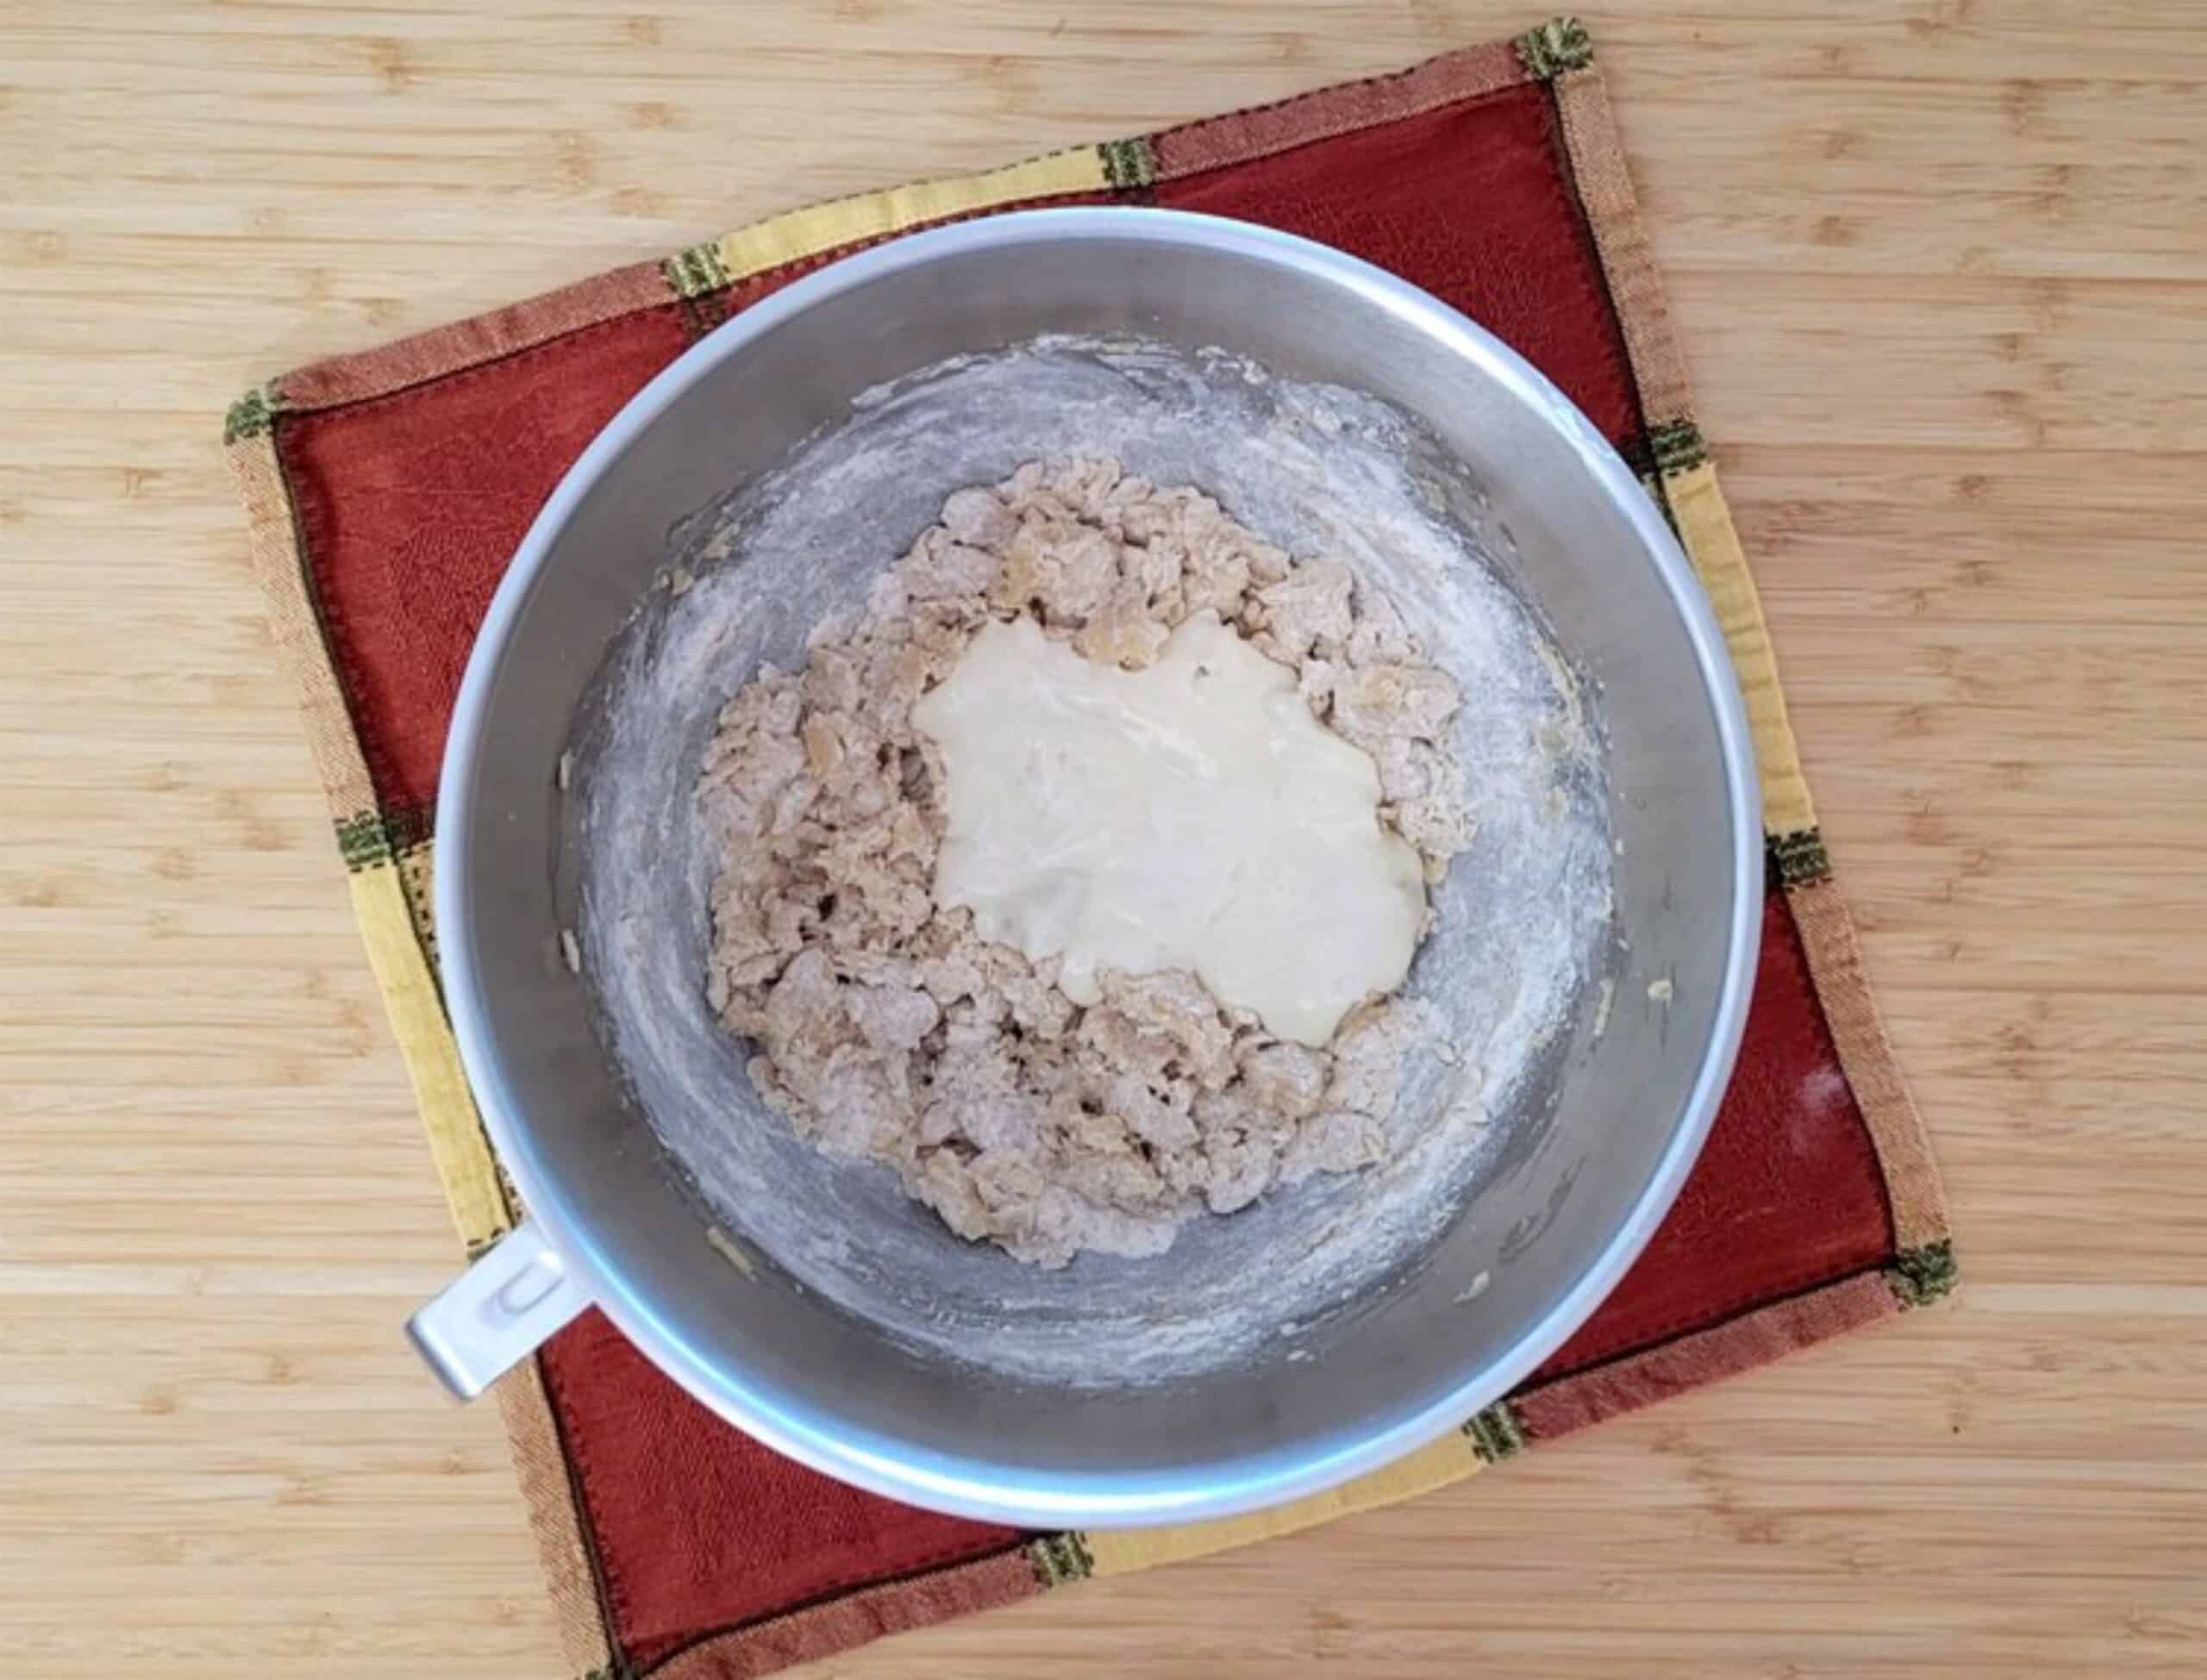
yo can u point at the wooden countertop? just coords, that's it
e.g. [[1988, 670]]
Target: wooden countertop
[[1940, 266]]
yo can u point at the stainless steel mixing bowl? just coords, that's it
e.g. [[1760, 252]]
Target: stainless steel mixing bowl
[[1595, 1153]]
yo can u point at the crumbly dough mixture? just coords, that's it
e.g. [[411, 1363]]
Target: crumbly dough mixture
[[884, 1027]]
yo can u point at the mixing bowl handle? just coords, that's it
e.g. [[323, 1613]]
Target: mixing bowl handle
[[496, 1313]]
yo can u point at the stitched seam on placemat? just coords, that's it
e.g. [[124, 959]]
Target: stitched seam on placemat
[[291, 405], [914, 182], [1333, 130], [336, 638], [615, 1666], [469, 371], [1901, 1261], [1896, 1124], [310, 586], [612, 1601], [1869, 1131], [939, 1563], [1689, 1324], [1877, 1155], [1334, 89], [421, 912], [1596, 290], [1745, 1306], [796, 268], [1823, 1018]]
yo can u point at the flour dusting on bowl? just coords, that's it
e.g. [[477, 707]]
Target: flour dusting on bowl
[[1520, 928]]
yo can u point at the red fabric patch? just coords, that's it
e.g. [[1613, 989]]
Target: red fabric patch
[[1787, 1192], [410, 506], [697, 1527], [1471, 201]]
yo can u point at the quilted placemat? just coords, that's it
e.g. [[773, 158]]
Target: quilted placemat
[[385, 492]]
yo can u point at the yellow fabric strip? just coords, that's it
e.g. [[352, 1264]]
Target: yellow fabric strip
[[417, 1021], [1706, 524], [807, 232], [1120, 1551]]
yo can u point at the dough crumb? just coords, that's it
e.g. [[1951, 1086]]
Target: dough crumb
[[883, 1028]]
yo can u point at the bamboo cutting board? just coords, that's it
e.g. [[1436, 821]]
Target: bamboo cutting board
[[1941, 267]]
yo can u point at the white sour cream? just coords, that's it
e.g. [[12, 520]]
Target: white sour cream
[[1192, 815]]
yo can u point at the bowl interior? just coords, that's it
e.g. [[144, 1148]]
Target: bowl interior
[[1583, 991], [1523, 925]]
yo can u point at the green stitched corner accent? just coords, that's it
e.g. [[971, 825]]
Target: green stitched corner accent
[[1059, 1559], [249, 416], [1678, 446], [1496, 1433], [1555, 47], [1921, 1275], [1128, 163], [362, 840], [696, 271], [1800, 858]]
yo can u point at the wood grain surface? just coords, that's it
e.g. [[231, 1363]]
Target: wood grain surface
[[1940, 266]]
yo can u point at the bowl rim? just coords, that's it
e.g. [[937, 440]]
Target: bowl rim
[[965, 1486]]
